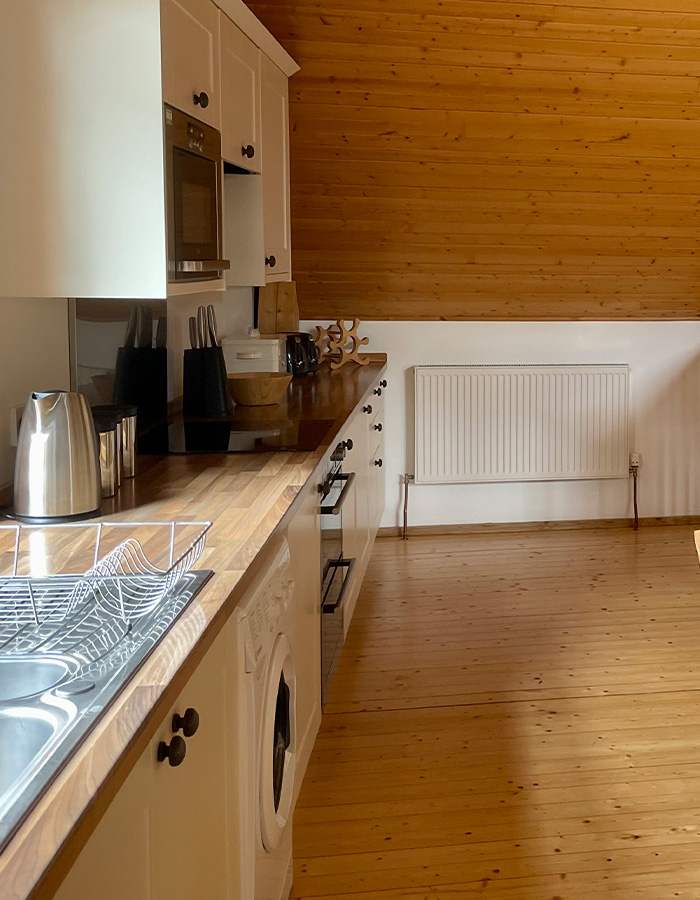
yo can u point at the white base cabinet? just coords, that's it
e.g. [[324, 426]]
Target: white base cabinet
[[164, 834], [364, 506]]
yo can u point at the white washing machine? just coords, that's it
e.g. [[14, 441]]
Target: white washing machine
[[267, 738]]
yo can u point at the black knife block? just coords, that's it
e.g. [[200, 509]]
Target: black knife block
[[141, 379], [204, 386]]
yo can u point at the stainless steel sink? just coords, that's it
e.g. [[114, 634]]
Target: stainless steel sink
[[22, 677], [24, 733], [57, 677]]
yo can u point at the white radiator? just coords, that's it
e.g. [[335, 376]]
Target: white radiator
[[521, 423]]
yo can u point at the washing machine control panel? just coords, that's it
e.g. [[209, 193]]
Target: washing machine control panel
[[270, 604]]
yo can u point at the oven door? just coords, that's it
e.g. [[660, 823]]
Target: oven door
[[194, 199], [336, 575]]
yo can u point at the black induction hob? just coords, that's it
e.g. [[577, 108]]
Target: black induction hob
[[259, 432]]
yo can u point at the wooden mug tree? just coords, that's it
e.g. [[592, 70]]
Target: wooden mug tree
[[341, 345]]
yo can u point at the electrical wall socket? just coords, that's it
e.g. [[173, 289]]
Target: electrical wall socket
[[635, 460], [15, 422]]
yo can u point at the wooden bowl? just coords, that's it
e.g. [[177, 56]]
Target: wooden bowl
[[258, 388]]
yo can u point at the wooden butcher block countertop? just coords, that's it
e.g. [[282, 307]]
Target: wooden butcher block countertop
[[248, 497]]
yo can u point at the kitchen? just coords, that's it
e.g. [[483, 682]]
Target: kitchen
[[486, 186]]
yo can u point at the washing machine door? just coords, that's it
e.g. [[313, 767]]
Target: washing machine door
[[278, 744]]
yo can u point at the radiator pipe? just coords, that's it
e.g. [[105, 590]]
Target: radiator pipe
[[407, 479]]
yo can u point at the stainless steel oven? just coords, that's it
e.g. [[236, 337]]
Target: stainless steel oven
[[336, 569], [193, 169]]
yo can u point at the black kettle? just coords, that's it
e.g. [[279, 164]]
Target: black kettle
[[302, 354]]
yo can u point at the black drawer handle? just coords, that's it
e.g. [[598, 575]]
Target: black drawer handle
[[378, 462], [270, 261], [377, 426], [201, 99], [188, 722], [382, 383], [348, 478], [348, 444], [174, 752], [367, 409], [248, 151], [378, 392]]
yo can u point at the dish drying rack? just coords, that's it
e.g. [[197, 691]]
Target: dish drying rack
[[121, 586]]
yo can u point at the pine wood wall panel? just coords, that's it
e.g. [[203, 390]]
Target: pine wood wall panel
[[466, 159]]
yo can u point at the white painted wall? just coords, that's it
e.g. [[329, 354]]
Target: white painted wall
[[33, 357], [665, 405]]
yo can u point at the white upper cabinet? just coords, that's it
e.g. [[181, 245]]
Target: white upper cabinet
[[240, 98], [275, 145], [190, 56], [82, 206]]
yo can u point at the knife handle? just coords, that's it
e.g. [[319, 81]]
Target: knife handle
[[202, 327], [193, 333], [211, 321]]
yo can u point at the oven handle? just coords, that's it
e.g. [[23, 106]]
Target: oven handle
[[338, 605], [203, 265], [348, 478]]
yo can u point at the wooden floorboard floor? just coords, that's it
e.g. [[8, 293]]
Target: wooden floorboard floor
[[516, 717]]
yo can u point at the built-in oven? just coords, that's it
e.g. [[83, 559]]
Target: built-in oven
[[336, 569], [193, 169]]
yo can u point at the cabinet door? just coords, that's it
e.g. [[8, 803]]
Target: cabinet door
[[188, 836], [115, 861], [275, 145], [240, 97], [376, 488], [355, 510], [164, 834], [190, 58]]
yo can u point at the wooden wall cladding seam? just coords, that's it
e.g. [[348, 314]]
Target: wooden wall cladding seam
[[468, 159]]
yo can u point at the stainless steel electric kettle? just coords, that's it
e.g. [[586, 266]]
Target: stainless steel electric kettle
[[57, 469]]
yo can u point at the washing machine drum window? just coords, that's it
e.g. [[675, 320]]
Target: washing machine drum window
[[282, 739], [278, 745]]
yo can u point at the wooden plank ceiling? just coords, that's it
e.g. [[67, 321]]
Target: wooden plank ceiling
[[465, 159]]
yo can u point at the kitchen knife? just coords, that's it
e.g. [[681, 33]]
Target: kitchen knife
[[193, 333], [211, 321], [145, 336], [202, 326], [161, 333], [130, 336]]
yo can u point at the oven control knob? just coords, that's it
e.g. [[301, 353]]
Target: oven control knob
[[188, 722], [201, 100]]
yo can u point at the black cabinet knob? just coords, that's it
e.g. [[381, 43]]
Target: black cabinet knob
[[189, 722], [367, 409], [174, 752], [248, 151], [201, 100], [378, 462], [270, 261], [377, 426], [382, 383], [378, 392], [348, 444]]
